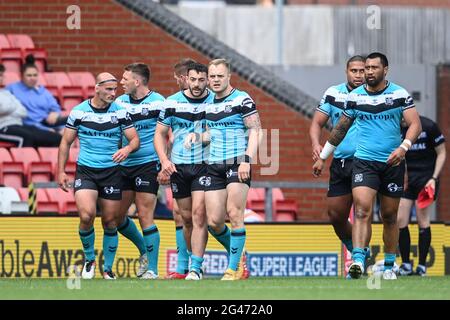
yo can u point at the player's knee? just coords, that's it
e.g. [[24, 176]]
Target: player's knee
[[86, 218], [109, 222], [362, 213], [389, 218], [235, 213]]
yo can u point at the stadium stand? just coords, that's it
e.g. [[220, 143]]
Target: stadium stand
[[65, 200], [11, 172], [36, 170], [44, 205], [10, 201]]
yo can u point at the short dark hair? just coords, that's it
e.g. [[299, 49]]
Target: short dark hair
[[383, 58], [197, 67], [140, 69], [29, 63], [180, 68], [2, 68], [356, 58]]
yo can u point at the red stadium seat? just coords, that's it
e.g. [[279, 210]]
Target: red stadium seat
[[35, 169], [5, 144], [85, 80], [44, 205], [4, 42], [73, 155], [71, 96], [10, 77], [65, 89], [65, 200], [49, 154], [11, 172], [12, 59], [22, 41]]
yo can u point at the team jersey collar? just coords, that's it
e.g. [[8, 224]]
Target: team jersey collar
[[222, 99], [370, 93], [98, 110], [139, 101], [196, 100]]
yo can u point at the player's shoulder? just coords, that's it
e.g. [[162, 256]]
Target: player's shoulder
[[397, 90], [178, 96], [155, 96], [336, 89], [82, 107]]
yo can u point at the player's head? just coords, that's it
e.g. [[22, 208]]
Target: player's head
[[29, 71], [2, 72], [219, 75], [135, 75], [197, 79], [376, 68], [105, 87], [180, 72], [355, 71]]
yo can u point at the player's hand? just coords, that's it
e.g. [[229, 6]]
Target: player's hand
[[318, 167], [190, 139], [396, 157], [167, 168], [244, 171], [121, 154], [52, 118], [163, 179], [317, 149], [63, 181]]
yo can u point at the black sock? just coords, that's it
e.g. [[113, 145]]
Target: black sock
[[404, 243], [424, 244]]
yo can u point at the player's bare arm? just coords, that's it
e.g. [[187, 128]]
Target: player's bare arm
[[318, 122], [133, 144], [412, 120], [63, 154]]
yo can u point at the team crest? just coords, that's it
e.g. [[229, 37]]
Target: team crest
[[144, 111], [114, 119], [389, 101], [205, 181], [228, 108]]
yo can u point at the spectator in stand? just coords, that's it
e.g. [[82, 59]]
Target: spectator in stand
[[43, 109], [11, 125]]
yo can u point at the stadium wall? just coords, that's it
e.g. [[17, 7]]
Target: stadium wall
[[443, 118], [111, 37], [46, 247]]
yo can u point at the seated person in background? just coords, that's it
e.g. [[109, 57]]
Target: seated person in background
[[11, 125], [43, 109]]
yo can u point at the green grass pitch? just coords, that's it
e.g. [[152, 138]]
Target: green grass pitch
[[212, 289]]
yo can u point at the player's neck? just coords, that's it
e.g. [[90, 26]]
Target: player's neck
[[383, 84], [223, 94], [98, 103], [140, 93]]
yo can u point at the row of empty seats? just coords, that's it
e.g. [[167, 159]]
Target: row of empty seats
[[49, 200], [69, 88], [20, 166], [15, 47]]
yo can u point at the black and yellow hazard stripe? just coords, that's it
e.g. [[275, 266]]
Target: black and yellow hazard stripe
[[32, 201]]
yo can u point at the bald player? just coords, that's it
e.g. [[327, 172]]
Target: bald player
[[99, 123]]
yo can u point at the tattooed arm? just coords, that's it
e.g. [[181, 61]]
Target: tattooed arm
[[336, 137], [341, 129], [253, 124]]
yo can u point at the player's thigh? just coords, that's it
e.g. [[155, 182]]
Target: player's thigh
[[145, 203], [339, 207], [363, 198], [389, 207], [215, 203], [404, 212], [185, 206], [127, 199], [86, 201], [198, 207], [109, 209], [237, 196]]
